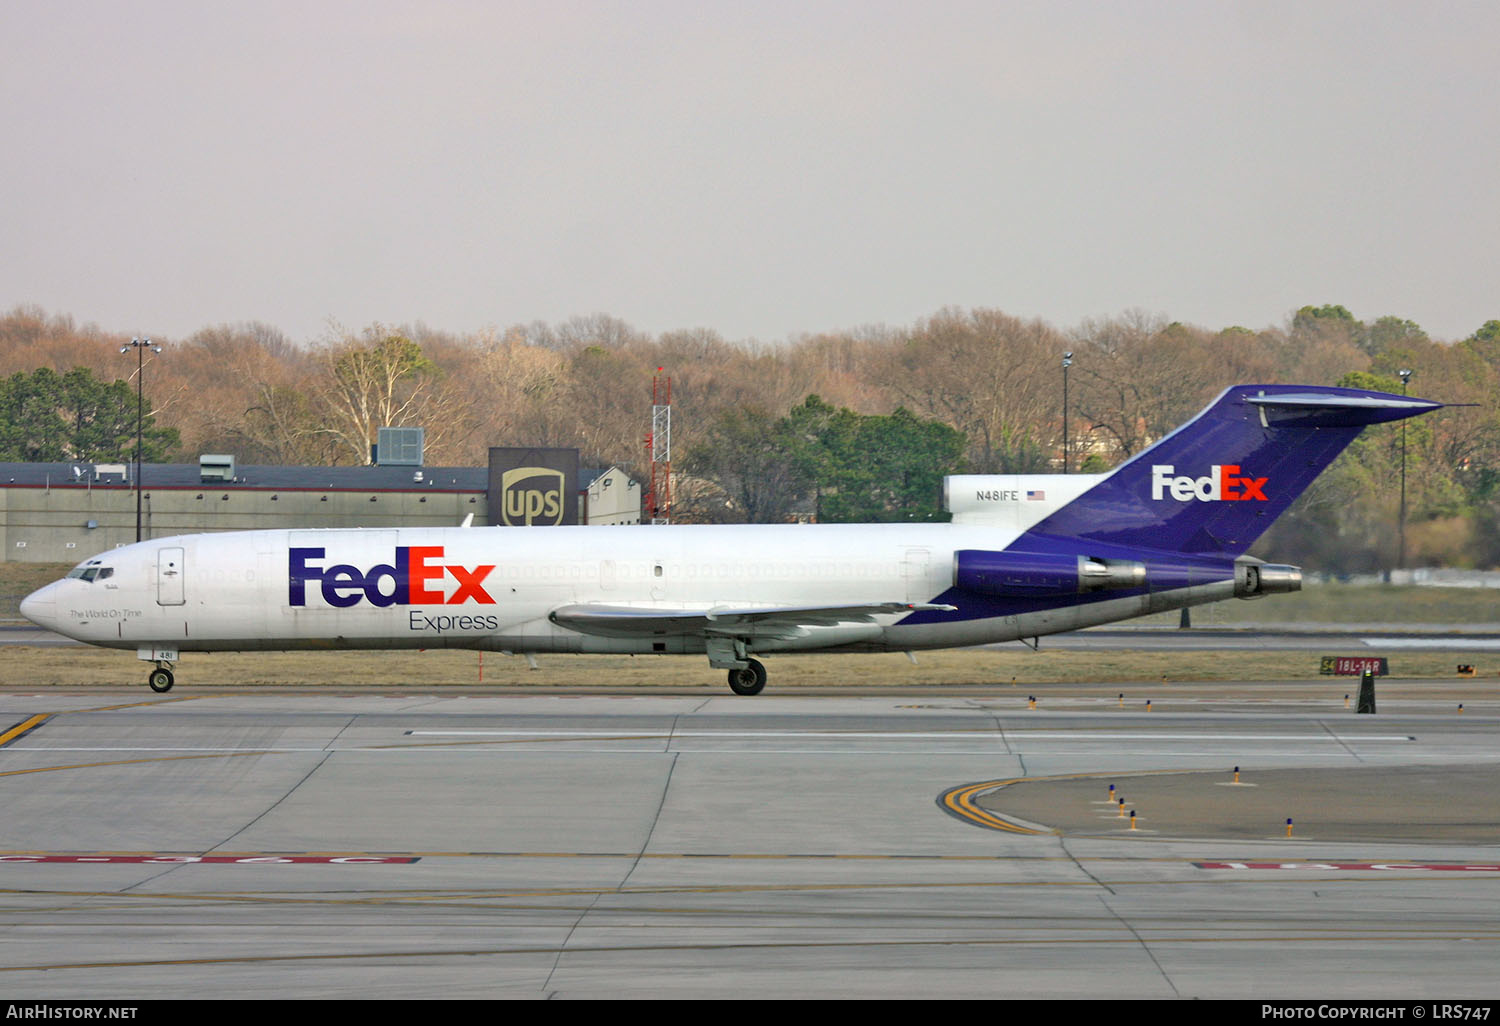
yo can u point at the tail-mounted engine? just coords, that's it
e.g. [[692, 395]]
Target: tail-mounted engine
[[1254, 579], [1035, 574]]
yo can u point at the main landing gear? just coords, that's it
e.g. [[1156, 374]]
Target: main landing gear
[[160, 679], [749, 679]]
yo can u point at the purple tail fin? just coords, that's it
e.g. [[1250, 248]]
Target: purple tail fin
[[1216, 483]]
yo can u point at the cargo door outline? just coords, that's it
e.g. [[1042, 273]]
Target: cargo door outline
[[915, 567], [169, 575]]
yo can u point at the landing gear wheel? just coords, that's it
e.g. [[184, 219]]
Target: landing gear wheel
[[160, 680], [751, 680]]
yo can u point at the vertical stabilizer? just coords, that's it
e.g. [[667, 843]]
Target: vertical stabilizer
[[1215, 484]]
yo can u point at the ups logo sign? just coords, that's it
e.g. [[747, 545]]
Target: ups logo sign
[[532, 496], [533, 487]]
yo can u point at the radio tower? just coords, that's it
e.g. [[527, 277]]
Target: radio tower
[[659, 450]]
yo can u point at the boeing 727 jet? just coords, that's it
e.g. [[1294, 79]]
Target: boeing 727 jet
[[1025, 556]]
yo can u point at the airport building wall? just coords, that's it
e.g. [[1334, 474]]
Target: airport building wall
[[64, 513], [52, 513], [612, 498], [68, 524]]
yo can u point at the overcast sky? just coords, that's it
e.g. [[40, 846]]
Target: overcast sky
[[764, 169]]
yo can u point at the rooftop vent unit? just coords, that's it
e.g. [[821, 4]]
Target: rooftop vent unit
[[216, 467], [399, 446]]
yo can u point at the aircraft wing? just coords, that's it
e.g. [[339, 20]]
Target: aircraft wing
[[742, 621]]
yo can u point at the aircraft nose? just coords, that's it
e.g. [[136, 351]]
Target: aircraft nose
[[40, 607]]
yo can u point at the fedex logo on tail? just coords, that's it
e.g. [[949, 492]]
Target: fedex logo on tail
[[415, 576], [1222, 484]]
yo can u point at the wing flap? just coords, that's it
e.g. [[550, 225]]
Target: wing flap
[[730, 621]]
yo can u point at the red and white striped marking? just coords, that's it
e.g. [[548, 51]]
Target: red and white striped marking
[[221, 860], [1378, 867]]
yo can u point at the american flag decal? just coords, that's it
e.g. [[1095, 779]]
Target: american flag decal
[[1035, 496]]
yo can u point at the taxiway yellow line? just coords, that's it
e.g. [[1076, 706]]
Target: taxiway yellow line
[[24, 727], [960, 800], [1319, 937], [31, 724], [126, 762]]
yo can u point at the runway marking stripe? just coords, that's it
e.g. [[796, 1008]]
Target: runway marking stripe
[[965, 733], [1320, 937], [402, 858], [1455, 867], [216, 860], [180, 860], [23, 728], [1479, 644]]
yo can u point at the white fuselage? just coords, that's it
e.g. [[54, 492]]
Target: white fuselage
[[494, 588], [1167, 529]]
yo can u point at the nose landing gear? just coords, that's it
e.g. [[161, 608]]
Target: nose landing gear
[[160, 679]]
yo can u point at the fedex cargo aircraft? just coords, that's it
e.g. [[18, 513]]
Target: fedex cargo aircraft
[[1025, 556]]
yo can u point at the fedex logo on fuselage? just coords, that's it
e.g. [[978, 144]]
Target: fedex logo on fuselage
[[415, 576], [1222, 484]]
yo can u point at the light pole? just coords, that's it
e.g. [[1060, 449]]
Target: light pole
[[1401, 554], [140, 345], [1067, 362]]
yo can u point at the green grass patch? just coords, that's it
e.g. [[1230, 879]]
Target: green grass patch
[[63, 666], [1350, 605]]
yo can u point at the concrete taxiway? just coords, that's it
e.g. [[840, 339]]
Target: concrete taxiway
[[261, 843]]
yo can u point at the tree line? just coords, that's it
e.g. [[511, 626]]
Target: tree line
[[856, 425]]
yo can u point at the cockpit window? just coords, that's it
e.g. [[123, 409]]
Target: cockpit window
[[91, 571]]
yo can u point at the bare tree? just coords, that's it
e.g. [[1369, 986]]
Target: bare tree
[[992, 376], [384, 380]]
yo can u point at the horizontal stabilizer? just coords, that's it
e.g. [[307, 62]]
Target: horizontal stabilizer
[[1367, 401]]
